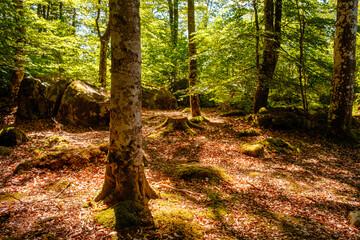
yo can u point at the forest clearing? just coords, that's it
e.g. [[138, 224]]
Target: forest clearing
[[307, 194]]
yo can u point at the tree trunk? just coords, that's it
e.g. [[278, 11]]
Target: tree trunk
[[124, 177], [270, 54], [61, 4], [257, 38], [342, 92], [174, 28], [194, 97], [301, 64], [104, 43], [18, 72]]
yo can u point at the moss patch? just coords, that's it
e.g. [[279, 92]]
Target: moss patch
[[5, 151], [178, 221], [12, 136], [248, 133], [126, 214], [9, 197], [278, 146], [198, 172], [56, 140], [68, 157], [253, 150]]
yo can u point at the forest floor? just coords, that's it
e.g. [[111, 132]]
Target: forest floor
[[305, 195]]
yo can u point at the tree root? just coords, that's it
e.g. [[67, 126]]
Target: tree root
[[172, 124]]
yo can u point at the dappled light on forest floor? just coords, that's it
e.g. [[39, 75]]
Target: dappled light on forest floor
[[306, 194]]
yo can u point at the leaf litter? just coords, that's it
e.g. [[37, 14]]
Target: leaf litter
[[305, 195]]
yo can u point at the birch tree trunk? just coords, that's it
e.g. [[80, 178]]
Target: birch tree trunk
[[194, 97], [124, 177], [342, 93]]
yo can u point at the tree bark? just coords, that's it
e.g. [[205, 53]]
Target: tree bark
[[18, 72], [194, 97], [342, 93], [124, 177], [270, 54]]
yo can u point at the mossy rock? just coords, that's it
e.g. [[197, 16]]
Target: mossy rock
[[233, 113], [263, 120], [198, 172], [62, 158], [125, 214], [248, 133], [278, 146], [12, 136], [279, 118], [178, 221], [5, 151], [253, 150], [157, 98], [289, 120], [40, 97], [259, 120], [84, 104]]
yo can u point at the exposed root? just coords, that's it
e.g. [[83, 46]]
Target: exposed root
[[172, 124]]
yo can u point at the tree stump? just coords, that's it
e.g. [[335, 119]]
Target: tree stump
[[172, 124]]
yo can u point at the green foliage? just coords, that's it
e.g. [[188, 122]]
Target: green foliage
[[63, 41]]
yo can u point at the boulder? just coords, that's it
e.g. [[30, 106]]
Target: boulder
[[12, 136], [84, 104], [157, 98], [253, 150], [279, 118], [40, 98], [277, 145]]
